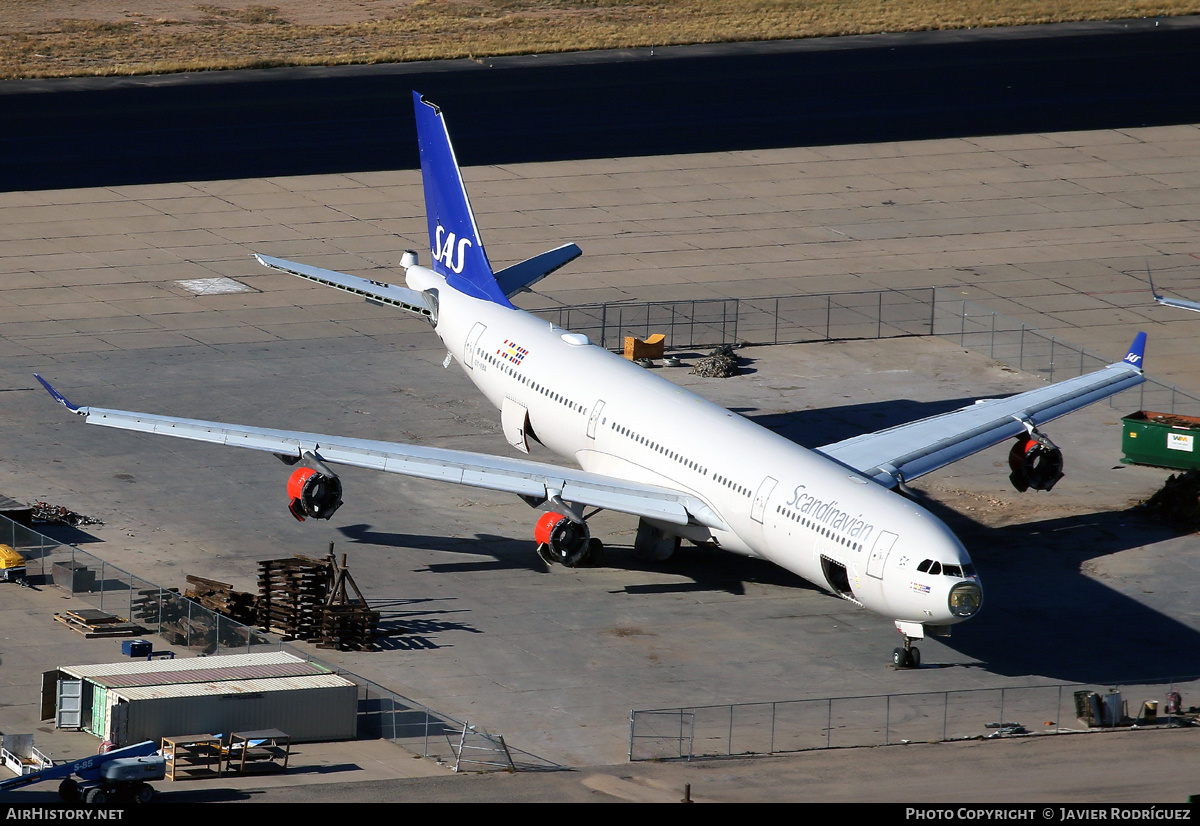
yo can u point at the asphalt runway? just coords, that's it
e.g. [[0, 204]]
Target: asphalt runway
[[819, 92], [1052, 228]]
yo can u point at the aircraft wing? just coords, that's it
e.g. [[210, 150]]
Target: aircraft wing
[[1179, 303], [531, 480], [908, 451]]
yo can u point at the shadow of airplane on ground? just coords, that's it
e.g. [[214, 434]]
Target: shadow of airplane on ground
[[709, 568], [822, 426], [1043, 615], [502, 551]]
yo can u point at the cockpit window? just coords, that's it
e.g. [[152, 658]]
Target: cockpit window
[[935, 568]]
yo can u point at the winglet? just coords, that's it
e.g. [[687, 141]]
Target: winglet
[[1137, 352], [458, 254], [1153, 291], [58, 397]]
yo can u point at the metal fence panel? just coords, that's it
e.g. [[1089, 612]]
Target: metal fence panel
[[857, 721], [915, 718], [661, 735], [801, 725], [847, 722]]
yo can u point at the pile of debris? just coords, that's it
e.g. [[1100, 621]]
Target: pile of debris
[[1177, 503], [56, 514], [721, 363], [221, 598]]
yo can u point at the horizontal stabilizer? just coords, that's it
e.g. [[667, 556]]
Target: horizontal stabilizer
[[402, 297], [518, 277]]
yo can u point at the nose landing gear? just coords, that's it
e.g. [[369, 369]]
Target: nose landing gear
[[908, 655]]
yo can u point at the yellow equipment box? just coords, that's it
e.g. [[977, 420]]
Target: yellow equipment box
[[12, 564]]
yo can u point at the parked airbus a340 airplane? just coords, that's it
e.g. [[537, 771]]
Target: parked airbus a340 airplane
[[829, 515]]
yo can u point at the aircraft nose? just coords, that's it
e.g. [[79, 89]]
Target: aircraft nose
[[966, 598]]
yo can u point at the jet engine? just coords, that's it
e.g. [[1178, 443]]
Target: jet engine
[[562, 540], [1035, 462], [312, 493]]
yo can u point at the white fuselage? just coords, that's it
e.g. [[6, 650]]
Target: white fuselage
[[781, 502]]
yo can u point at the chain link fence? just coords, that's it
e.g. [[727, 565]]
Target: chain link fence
[[879, 720], [182, 623], [701, 324]]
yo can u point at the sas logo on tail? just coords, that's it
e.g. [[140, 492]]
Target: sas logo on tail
[[511, 352], [449, 250]]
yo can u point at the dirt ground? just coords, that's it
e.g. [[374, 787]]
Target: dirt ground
[[35, 15], [114, 37]]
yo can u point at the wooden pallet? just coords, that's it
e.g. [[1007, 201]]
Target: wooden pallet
[[97, 624]]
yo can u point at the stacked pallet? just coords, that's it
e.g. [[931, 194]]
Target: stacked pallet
[[348, 627], [292, 593], [347, 623]]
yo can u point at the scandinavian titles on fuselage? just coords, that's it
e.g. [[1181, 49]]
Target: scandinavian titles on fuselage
[[828, 513]]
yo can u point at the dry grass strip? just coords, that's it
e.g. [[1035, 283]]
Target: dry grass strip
[[53, 38]]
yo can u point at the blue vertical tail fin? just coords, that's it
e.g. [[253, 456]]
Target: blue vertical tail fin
[[458, 254]]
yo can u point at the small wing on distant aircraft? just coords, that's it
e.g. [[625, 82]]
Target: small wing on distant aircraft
[[402, 297], [532, 480], [908, 451], [1179, 303]]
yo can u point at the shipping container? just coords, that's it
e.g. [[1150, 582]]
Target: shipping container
[[131, 701]]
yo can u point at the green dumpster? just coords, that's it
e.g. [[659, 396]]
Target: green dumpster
[[1161, 439]]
